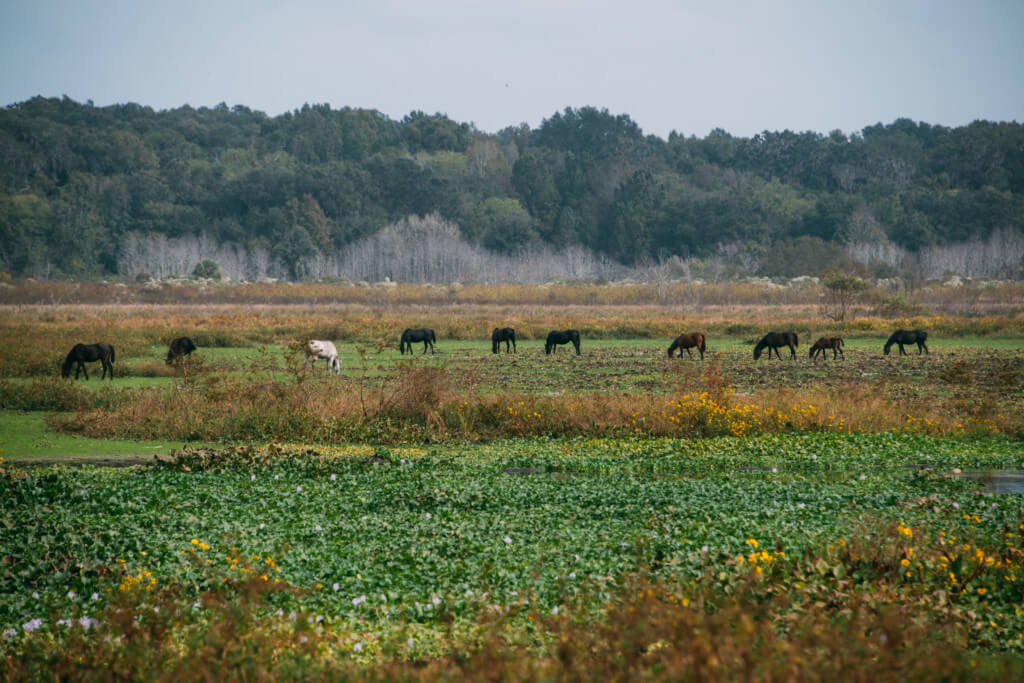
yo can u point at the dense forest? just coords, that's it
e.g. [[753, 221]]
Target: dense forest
[[89, 191]]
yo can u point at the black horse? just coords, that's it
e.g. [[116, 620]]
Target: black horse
[[834, 343], [564, 337], [422, 334], [773, 340], [503, 334], [688, 341], [89, 353], [180, 347], [901, 337]]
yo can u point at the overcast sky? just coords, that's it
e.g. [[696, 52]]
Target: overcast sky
[[684, 66]]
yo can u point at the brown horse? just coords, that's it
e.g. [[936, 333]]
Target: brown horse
[[688, 341], [179, 348], [89, 353], [834, 343], [773, 340]]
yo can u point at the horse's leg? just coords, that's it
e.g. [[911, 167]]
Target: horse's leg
[[903, 351], [84, 370], [792, 352], [689, 353]]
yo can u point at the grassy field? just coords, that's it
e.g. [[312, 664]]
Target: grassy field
[[474, 515]]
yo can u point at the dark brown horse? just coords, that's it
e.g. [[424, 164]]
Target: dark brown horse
[[89, 353], [688, 341], [556, 337], [773, 340], [503, 334], [421, 334], [180, 347], [901, 337], [834, 343]]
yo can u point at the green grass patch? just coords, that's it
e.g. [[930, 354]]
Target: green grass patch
[[26, 439]]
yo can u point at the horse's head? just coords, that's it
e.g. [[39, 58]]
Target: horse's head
[[757, 352]]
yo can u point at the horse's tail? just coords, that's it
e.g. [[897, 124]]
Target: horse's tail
[[703, 343], [111, 355], [796, 341]]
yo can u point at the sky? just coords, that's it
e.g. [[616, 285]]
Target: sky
[[688, 67]]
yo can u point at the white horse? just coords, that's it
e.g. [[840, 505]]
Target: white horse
[[326, 350]]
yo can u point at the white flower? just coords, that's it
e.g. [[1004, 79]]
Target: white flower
[[775, 469], [277, 476], [956, 505], [334, 477], [801, 505], [71, 594], [10, 633], [94, 596], [156, 609], [507, 539], [704, 548], [88, 622], [436, 600], [863, 477], [293, 615], [358, 647], [32, 625], [299, 489], [252, 478], [428, 515], [358, 601], [263, 525], [383, 597], [35, 595], [577, 557], [196, 605], [409, 642], [814, 456], [63, 622], [336, 587], [319, 528], [572, 575]]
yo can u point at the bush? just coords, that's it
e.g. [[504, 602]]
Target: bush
[[207, 268]]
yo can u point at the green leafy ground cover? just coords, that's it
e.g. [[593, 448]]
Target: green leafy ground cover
[[374, 537]]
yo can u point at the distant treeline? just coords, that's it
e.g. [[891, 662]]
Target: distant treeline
[[84, 188]]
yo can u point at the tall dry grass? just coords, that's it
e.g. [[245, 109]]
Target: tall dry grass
[[423, 403]]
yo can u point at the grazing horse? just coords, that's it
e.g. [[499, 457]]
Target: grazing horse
[[503, 334], [901, 337], [564, 337], [89, 353], [834, 343], [180, 347], [688, 341], [322, 349], [423, 334], [773, 340]]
